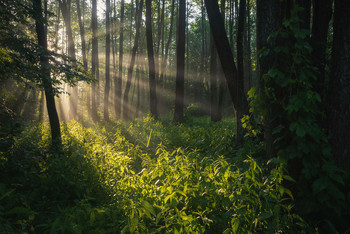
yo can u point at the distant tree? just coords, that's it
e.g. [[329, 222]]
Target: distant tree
[[108, 55], [119, 81], [151, 65], [180, 64], [82, 35], [132, 62], [94, 60]]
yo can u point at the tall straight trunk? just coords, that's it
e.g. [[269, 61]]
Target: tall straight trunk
[[222, 82], [339, 87], [242, 103], [213, 87], [119, 81], [151, 65], [322, 13], [132, 62], [268, 22], [222, 44], [44, 62], [108, 55], [94, 60], [58, 13], [180, 64], [82, 35], [247, 52], [65, 9], [165, 58]]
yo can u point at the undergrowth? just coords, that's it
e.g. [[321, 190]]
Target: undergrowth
[[145, 176]]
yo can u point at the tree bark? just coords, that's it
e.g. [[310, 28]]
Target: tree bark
[[180, 66], [119, 81], [138, 17], [44, 62], [268, 22], [108, 53], [226, 57], [152, 75], [94, 60], [164, 61], [322, 13], [82, 35], [339, 88]]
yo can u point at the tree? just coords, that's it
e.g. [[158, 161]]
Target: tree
[[119, 81], [82, 35], [132, 62], [94, 60], [268, 22], [151, 65], [180, 64], [108, 52], [44, 62], [227, 62], [339, 87]]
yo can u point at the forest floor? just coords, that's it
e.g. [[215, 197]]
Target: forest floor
[[141, 176]]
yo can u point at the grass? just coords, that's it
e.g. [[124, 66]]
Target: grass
[[144, 176]]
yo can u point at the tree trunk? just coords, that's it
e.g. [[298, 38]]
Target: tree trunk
[[180, 64], [65, 9], [322, 13], [119, 81], [82, 35], [242, 104], [152, 75], [138, 17], [268, 22], [94, 60], [164, 61], [213, 87], [108, 52], [217, 26], [339, 88], [44, 62]]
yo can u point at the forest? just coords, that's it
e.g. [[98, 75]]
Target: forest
[[174, 116]]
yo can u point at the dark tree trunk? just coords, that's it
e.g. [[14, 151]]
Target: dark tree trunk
[[242, 104], [119, 81], [82, 35], [222, 82], [126, 110], [339, 88], [152, 75], [180, 64], [94, 60], [268, 22], [305, 14], [108, 53], [44, 62], [217, 26], [322, 13]]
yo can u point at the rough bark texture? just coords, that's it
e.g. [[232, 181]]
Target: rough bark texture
[[44, 62], [152, 75], [126, 110], [180, 64], [339, 88], [108, 52]]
